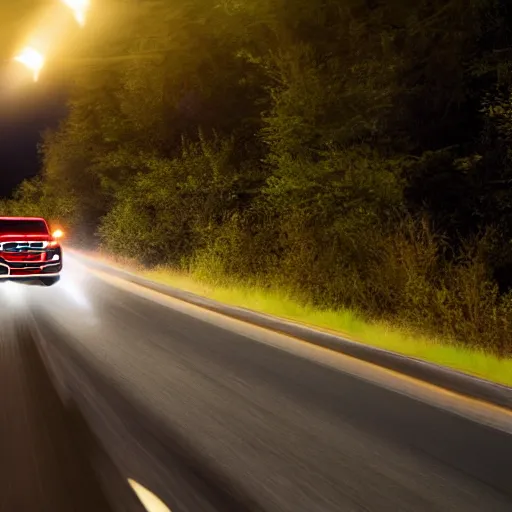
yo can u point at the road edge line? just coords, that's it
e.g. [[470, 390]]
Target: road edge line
[[437, 375]]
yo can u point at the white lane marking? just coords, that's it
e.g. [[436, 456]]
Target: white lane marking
[[147, 498]]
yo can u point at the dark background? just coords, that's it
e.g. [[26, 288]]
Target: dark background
[[25, 112], [25, 108]]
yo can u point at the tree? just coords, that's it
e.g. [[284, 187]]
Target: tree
[[355, 152]]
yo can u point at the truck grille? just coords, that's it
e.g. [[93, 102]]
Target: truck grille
[[16, 247]]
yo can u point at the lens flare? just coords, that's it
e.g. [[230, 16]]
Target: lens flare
[[33, 60], [79, 8]]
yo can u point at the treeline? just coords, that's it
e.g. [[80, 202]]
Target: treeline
[[355, 152]]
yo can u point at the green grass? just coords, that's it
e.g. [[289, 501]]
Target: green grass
[[347, 323]]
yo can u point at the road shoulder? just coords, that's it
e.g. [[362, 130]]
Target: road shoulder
[[439, 376]]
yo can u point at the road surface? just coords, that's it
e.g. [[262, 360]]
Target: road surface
[[215, 415]]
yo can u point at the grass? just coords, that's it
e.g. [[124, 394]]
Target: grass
[[344, 322]]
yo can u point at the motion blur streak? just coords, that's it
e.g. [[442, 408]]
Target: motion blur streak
[[72, 286], [44, 461], [71, 292], [210, 418], [12, 293]]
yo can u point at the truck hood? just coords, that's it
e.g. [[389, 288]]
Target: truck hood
[[25, 238]]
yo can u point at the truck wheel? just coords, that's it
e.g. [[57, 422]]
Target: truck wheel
[[50, 281]]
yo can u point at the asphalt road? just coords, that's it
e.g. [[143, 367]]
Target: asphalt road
[[211, 415]]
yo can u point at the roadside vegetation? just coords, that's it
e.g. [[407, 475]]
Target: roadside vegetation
[[341, 162], [342, 322]]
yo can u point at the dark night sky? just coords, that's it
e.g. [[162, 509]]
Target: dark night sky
[[25, 108], [25, 111]]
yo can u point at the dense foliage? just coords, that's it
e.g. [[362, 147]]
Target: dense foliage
[[356, 152]]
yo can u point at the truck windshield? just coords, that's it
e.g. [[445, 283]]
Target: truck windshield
[[22, 227]]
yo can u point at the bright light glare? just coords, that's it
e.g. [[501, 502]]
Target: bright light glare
[[12, 292], [58, 234], [79, 8], [74, 290], [33, 60]]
